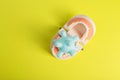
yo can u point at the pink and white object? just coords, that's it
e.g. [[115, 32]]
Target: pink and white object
[[81, 27]]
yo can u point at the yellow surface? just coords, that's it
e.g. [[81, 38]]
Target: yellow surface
[[26, 29]]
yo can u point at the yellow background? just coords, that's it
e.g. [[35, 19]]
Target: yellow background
[[27, 27]]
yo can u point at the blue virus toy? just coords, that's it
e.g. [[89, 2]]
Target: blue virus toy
[[66, 44]]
